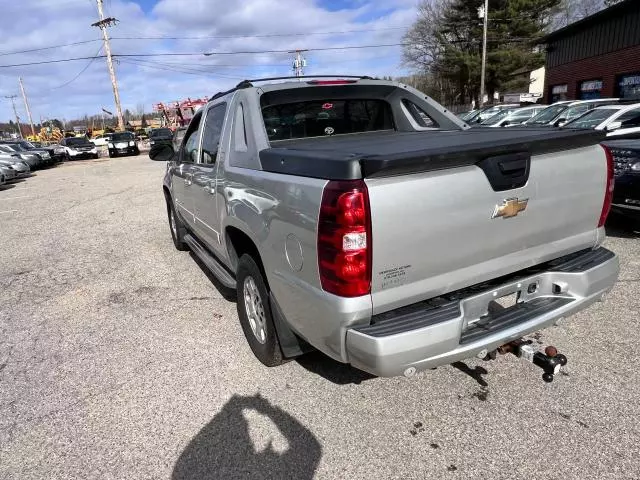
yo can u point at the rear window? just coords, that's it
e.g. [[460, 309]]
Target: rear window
[[161, 132], [320, 118]]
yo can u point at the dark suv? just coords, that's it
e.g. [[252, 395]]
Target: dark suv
[[160, 135], [123, 143], [626, 165]]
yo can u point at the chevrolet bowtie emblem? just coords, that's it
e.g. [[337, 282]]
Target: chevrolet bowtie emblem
[[510, 208]]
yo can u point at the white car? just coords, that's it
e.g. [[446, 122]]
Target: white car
[[564, 111], [619, 121], [101, 140], [511, 117], [79, 147]]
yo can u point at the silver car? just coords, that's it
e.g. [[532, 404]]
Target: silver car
[[20, 167], [8, 173]]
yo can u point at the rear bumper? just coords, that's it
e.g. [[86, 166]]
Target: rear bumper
[[424, 336]]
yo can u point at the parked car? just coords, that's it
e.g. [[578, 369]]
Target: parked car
[[56, 151], [8, 173], [619, 121], [560, 113], [512, 116], [79, 147], [20, 167], [178, 135], [123, 143], [485, 113], [34, 160], [351, 232], [626, 165], [24, 146], [160, 135], [101, 140]]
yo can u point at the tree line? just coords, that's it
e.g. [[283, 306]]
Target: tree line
[[444, 45]]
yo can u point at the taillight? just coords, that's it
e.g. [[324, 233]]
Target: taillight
[[344, 239], [608, 193]]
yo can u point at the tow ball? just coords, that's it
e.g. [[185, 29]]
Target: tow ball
[[550, 361]]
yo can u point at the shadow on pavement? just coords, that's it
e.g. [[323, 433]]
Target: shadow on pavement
[[227, 293], [6, 186], [475, 373], [224, 449], [336, 372]]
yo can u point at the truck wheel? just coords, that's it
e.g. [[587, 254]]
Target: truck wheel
[[254, 312], [176, 227]]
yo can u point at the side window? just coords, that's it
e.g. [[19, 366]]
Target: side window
[[630, 119], [212, 132], [239, 130], [419, 115], [189, 152]]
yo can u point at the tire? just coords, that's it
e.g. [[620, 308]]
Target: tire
[[253, 296], [111, 155], [96, 156], [176, 227]]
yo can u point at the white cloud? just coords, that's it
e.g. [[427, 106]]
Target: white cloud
[[34, 24]]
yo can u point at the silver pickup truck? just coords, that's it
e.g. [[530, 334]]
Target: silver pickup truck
[[362, 218]]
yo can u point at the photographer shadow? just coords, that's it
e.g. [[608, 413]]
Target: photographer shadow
[[223, 449]]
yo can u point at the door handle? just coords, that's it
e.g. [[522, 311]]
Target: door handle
[[210, 187]]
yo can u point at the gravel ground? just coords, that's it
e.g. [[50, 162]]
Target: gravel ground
[[120, 359]]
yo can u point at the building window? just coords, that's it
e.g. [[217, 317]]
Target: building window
[[629, 86], [589, 89], [559, 92]]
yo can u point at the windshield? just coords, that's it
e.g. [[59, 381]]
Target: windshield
[[15, 147], [321, 118], [592, 119], [7, 149], [76, 141], [547, 115], [122, 137], [498, 116], [27, 145], [161, 132]]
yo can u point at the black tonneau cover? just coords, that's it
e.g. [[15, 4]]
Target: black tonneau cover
[[380, 154]]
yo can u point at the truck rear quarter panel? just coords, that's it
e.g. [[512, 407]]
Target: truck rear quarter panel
[[280, 213]]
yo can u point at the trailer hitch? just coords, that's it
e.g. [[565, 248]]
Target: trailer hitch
[[550, 361]]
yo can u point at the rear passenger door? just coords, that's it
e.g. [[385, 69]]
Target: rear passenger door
[[207, 219]]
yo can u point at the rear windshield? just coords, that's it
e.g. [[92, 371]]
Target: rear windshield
[[321, 118], [161, 132]]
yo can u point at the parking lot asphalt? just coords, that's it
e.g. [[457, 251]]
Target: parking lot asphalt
[[120, 359]]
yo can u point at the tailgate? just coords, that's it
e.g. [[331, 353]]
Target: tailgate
[[439, 231]]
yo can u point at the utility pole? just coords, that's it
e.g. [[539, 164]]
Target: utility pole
[[15, 112], [26, 106], [102, 24], [299, 63], [484, 15]]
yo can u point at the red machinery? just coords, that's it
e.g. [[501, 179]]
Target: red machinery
[[177, 114]]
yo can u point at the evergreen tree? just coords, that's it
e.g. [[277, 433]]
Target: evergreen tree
[[446, 44]]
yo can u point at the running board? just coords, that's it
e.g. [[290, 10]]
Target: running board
[[212, 263]]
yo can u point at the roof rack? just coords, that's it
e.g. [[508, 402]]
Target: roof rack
[[249, 83]]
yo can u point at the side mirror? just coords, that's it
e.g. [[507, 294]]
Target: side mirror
[[613, 126], [206, 157], [162, 152], [560, 122]]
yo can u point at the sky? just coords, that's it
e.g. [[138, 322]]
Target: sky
[[69, 90]]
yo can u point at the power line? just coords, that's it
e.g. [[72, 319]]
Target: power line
[[207, 54], [81, 71], [206, 37], [44, 62], [83, 42]]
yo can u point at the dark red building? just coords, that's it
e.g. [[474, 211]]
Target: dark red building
[[596, 57]]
